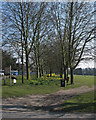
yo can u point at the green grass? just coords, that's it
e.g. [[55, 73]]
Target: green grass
[[44, 85], [16, 91], [81, 80], [82, 103]]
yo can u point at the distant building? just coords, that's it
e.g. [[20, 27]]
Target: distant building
[[20, 72], [14, 73], [1, 72]]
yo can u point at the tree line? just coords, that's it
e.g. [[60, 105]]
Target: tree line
[[85, 71], [49, 37]]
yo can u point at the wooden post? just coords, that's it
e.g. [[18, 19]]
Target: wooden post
[[4, 80], [10, 75]]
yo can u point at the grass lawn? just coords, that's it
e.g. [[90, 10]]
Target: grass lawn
[[44, 85], [82, 103]]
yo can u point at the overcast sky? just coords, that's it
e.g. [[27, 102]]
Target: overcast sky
[[87, 64]]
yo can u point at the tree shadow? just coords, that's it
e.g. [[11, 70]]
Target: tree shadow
[[60, 108]]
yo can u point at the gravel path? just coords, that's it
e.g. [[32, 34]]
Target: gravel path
[[30, 105]]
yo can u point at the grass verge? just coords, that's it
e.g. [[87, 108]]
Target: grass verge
[[44, 85], [82, 103]]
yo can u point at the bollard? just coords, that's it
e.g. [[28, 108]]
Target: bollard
[[4, 80], [62, 83], [14, 81]]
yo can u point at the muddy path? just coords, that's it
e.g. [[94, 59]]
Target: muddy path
[[43, 106], [45, 100]]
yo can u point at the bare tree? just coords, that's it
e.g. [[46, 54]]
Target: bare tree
[[24, 19], [36, 30], [80, 32]]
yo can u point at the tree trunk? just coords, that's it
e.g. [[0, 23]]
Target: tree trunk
[[40, 68], [18, 65], [67, 72], [60, 75], [42, 71], [71, 72], [22, 65], [50, 72], [22, 59], [29, 72], [38, 72], [27, 67], [22, 72], [61, 72], [64, 73]]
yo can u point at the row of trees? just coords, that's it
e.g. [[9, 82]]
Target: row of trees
[[8, 60], [51, 37], [85, 71]]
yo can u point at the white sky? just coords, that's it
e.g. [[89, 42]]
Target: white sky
[[87, 64]]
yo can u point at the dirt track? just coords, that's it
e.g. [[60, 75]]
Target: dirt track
[[43, 103], [48, 99]]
